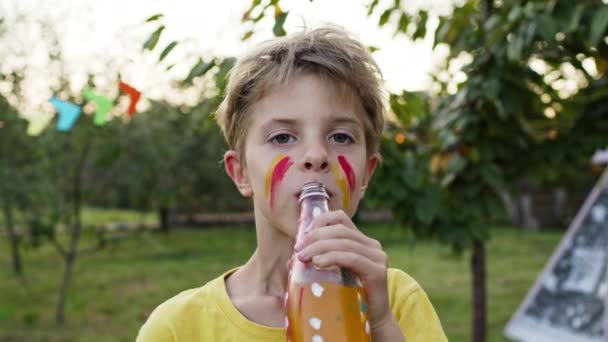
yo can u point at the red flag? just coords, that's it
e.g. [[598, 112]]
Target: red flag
[[133, 93]]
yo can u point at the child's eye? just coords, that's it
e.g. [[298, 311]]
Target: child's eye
[[341, 138], [282, 138]]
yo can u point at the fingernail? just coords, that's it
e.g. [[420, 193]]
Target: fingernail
[[302, 255], [298, 246]]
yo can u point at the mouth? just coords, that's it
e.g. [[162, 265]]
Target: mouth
[[329, 192]]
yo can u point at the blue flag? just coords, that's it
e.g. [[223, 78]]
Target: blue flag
[[68, 113]]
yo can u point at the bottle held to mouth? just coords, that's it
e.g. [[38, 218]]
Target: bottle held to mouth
[[328, 304]]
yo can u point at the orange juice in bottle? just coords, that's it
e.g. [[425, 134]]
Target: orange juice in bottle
[[322, 305]]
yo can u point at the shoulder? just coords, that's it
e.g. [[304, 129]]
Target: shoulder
[[167, 319], [413, 309], [401, 286], [191, 300], [404, 291], [399, 280]]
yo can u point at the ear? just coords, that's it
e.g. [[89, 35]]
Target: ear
[[370, 167], [237, 172]]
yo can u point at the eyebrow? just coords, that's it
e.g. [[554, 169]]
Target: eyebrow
[[345, 120], [279, 122], [292, 122]]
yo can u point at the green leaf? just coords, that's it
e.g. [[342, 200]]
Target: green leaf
[[153, 39], [547, 27], [530, 32], [155, 17], [199, 69], [427, 207], [515, 14], [404, 22], [491, 175], [167, 50], [247, 35], [515, 48], [372, 6], [577, 14], [598, 26], [278, 29], [456, 164], [221, 76], [421, 25], [386, 15]]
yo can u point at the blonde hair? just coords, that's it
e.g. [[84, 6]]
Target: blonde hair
[[329, 52]]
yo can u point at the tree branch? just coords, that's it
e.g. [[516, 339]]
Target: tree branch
[[60, 249]]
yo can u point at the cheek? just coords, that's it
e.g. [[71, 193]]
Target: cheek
[[343, 183], [277, 170], [349, 172]]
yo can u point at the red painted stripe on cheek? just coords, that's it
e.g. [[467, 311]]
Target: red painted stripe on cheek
[[277, 176], [348, 171]]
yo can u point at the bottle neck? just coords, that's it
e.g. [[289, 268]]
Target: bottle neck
[[311, 207]]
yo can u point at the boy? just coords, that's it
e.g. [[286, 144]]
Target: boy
[[307, 107]]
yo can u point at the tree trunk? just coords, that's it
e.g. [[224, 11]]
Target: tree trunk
[[63, 291], [72, 253], [478, 267], [12, 235], [164, 214]]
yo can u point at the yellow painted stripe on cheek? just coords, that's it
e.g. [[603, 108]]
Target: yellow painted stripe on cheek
[[273, 165], [342, 183]]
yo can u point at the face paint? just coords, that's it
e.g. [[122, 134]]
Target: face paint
[[348, 171], [275, 174], [342, 183]]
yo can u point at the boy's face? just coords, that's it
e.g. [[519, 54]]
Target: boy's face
[[306, 131]]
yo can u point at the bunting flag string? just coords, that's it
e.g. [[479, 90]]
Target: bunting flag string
[[103, 103], [68, 113]]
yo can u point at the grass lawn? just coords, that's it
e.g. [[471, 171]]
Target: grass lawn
[[114, 290]]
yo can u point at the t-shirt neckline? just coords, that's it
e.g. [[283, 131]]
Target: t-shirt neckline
[[247, 326]]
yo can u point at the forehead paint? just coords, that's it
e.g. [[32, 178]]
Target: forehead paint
[[275, 174], [348, 171], [342, 183]]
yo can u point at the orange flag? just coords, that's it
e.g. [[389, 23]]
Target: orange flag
[[133, 93]]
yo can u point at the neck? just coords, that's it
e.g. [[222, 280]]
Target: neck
[[265, 273]]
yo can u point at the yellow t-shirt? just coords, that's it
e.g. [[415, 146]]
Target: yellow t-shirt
[[207, 314]]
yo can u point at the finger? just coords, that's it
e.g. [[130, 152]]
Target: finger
[[333, 218], [365, 268], [341, 245], [338, 231]]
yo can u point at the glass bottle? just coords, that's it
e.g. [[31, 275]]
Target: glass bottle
[[322, 305]]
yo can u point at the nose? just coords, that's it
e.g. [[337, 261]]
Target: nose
[[315, 158]]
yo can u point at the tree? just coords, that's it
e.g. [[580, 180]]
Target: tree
[[15, 153], [494, 129]]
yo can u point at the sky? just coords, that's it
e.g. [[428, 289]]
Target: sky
[[106, 36]]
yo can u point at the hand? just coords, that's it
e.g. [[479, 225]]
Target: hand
[[334, 240]]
